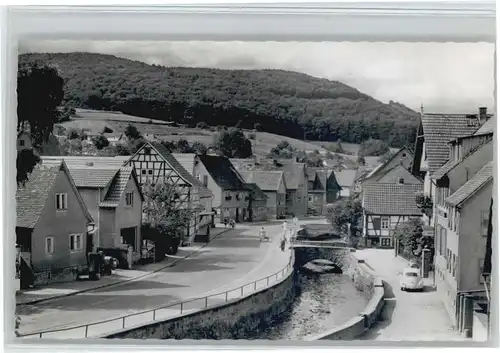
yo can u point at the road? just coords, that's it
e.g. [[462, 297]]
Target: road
[[407, 316], [235, 258]]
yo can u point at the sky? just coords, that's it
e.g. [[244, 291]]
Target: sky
[[443, 77]]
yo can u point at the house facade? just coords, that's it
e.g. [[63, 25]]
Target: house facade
[[345, 179], [385, 206], [228, 187], [316, 197], [272, 183], [332, 187], [206, 216], [53, 226], [114, 199], [257, 204], [464, 187], [153, 163], [399, 163]]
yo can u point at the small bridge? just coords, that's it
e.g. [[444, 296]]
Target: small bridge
[[329, 244], [308, 250]]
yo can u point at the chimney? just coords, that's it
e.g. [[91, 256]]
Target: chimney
[[483, 112]]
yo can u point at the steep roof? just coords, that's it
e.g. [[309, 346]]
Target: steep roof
[[438, 130], [293, 173], [117, 187], [481, 178], [267, 180], [187, 160], [32, 196], [487, 127], [86, 161], [223, 172], [257, 193], [170, 159], [345, 177], [391, 199], [93, 177]]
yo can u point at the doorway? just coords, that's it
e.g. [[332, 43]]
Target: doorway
[[129, 236]]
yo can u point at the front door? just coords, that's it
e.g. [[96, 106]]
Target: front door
[[128, 236], [237, 215]]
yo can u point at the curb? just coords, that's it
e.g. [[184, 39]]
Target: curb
[[35, 301]]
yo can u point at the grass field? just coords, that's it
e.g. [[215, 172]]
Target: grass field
[[95, 122]]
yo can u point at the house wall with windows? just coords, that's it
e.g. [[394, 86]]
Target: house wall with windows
[[316, 201], [378, 228], [59, 239], [460, 248], [399, 175]]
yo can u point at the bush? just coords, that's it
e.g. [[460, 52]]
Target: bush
[[100, 142], [202, 125], [73, 134]]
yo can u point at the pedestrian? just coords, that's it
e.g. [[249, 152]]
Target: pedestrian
[[225, 222]]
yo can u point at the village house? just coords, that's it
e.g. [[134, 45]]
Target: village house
[[431, 146], [53, 226], [316, 191], [114, 199], [50, 147], [153, 163], [394, 170], [272, 183], [332, 187], [257, 204], [345, 178], [385, 206], [230, 192], [206, 215], [23, 141], [114, 138], [461, 201]]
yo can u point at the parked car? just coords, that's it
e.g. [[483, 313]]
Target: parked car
[[411, 280]]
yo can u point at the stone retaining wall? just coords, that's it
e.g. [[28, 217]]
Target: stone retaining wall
[[366, 281], [233, 320]]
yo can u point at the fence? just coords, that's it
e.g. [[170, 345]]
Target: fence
[[162, 313]]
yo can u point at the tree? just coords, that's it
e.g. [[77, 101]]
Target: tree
[[361, 160], [131, 132], [39, 94], [100, 142], [162, 209], [26, 162], [385, 157], [73, 134], [347, 214], [232, 144], [373, 147], [410, 236], [199, 148]]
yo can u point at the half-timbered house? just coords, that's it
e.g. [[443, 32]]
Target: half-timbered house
[[385, 206], [154, 164]]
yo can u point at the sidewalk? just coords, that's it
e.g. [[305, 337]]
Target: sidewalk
[[407, 316], [119, 276], [227, 262]]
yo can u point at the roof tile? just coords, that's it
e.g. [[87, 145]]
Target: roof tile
[[391, 199], [266, 180]]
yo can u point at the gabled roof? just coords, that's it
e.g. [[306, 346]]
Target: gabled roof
[[291, 169], [118, 185], [267, 180], [223, 172], [86, 161], [345, 177], [187, 160], [391, 199], [438, 130], [380, 168], [481, 178], [92, 177], [32, 196], [164, 153], [257, 193], [450, 165]]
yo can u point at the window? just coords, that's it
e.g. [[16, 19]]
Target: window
[[385, 241], [147, 150], [150, 171], [205, 180], [75, 242], [451, 218], [143, 171], [456, 220], [401, 180], [453, 265], [21, 143], [485, 220], [376, 223], [198, 177], [49, 245], [310, 198], [129, 199], [438, 239], [385, 223], [61, 202]]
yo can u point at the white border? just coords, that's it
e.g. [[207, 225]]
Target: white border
[[458, 21]]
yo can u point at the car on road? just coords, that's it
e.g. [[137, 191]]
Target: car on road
[[411, 280]]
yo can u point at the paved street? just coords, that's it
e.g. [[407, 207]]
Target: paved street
[[408, 316], [232, 260]]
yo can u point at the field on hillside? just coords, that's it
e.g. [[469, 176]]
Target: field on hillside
[[96, 121]]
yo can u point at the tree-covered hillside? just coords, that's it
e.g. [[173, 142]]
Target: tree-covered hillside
[[282, 102]]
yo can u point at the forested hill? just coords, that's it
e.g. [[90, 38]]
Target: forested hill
[[281, 102]]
